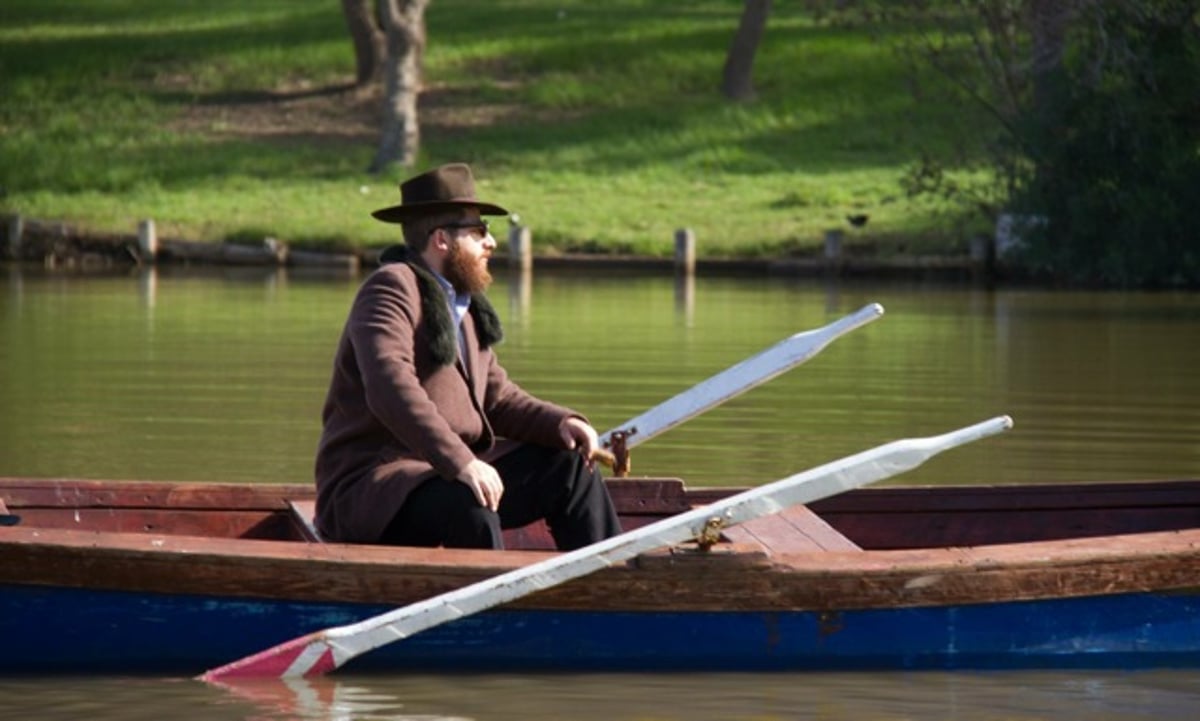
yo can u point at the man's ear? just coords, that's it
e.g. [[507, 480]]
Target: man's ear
[[440, 240]]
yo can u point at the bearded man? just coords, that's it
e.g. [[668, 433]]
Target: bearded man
[[426, 440]]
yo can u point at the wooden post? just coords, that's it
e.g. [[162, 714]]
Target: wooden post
[[833, 245], [983, 256], [982, 249], [16, 232], [147, 241], [685, 251], [277, 249], [520, 247]]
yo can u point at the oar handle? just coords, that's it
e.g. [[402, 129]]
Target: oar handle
[[605, 456]]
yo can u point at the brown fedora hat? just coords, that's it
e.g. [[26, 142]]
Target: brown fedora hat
[[443, 188]]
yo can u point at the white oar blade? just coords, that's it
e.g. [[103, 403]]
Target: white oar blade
[[324, 651], [737, 379]]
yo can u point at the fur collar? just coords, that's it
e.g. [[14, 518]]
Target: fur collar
[[435, 308]]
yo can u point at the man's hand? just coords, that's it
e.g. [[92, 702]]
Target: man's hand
[[578, 435], [484, 482]]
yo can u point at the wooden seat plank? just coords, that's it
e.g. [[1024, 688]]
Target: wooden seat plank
[[793, 530], [638, 500]]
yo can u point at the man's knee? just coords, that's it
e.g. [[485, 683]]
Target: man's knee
[[444, 513], [572, 465], [473, 526]]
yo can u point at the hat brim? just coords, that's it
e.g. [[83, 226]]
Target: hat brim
[[401, 213]]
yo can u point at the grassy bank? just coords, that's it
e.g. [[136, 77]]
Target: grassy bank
[[600, 123]]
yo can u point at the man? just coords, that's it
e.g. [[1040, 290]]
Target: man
[[426, 440]]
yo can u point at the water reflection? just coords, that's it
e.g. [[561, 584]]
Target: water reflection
[[685, 297], [1160, 695], [1163, 695], [520, 296], [148, 289], [321, 699]]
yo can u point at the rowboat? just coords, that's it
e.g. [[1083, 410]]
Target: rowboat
[[127, 576]]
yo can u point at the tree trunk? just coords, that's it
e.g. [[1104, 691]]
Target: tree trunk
[[368, 40], [738, 81], [404, 24], [1049, 21]]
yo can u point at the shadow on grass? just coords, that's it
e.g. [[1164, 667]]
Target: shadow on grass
[[647, 76], [254, 97]]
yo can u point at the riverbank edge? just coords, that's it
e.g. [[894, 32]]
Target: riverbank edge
[[61, 246]]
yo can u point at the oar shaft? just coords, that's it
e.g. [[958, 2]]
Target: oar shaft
[[737, 379]]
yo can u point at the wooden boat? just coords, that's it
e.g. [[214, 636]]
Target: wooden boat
[[99, 576]]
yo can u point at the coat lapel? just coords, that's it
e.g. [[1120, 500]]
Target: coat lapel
[[469, 362]]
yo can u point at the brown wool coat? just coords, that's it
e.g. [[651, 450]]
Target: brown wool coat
[[396, 416]]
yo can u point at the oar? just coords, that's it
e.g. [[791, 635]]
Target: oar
[[324, 651], [737, 379], [6, 518]]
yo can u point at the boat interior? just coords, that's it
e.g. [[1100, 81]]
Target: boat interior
[[888, 517]]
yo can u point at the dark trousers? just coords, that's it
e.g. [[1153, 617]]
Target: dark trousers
[[539, 483]]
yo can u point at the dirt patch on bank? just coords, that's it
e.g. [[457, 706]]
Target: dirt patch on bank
[[334, 114]]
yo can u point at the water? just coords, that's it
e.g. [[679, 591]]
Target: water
[[1159, 695], [220, 375]]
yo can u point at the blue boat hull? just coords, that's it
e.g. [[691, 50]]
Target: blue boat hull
[[57, 630]]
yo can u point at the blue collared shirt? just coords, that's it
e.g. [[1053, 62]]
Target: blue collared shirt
[[459, 304]]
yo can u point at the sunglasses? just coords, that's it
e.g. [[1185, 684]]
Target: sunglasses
[[479, 226]]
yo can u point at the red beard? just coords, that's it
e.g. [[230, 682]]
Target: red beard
[[467, 273]]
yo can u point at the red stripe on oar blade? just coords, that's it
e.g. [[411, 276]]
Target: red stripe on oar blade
[[304, 656]]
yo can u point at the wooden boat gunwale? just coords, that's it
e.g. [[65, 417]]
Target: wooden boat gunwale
[[767, 579], [1124, 599]]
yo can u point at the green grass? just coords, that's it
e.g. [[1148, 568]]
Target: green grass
[[600, 123]]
